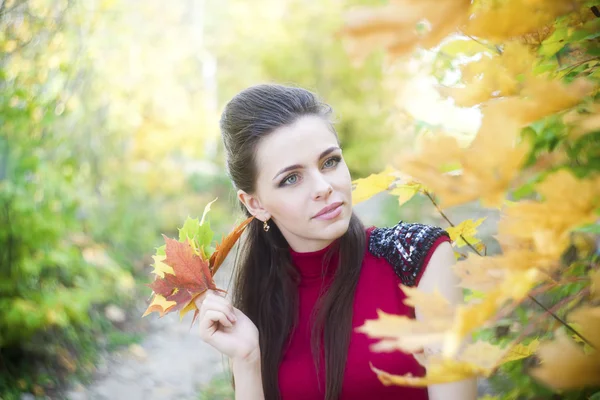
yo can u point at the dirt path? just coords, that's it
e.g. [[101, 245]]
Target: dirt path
[[171, 362]]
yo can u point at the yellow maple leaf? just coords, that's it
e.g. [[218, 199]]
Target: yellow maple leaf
[[515, 286], [479, 273], [547, 223], [408, 334], [160, 268], [539, 97], [520, 351], [191, 306], [406, 191], [160, 305], [478, 359], [564, 363], [581, 124], [465, 232], [511, 18], [489, 164], [373, 184], [492, 76], [394, 26]]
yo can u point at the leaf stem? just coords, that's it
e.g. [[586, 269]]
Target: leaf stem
[[435, 204]]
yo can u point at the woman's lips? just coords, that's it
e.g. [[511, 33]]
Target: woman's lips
[[330, 212]]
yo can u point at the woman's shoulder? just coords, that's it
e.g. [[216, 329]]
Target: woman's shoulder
[[406, 246]]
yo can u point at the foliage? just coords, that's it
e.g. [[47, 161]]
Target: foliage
[[185, 268], [532, 68], [83, 153]]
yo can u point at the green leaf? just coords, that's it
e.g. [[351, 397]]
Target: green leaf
[[205, 236], [590, 228], [189, 230], [554, 43]]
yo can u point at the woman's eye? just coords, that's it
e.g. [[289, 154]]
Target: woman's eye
[[332, 162], [290, 180]]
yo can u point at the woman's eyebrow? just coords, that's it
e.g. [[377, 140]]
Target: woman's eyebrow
[[298, 166]]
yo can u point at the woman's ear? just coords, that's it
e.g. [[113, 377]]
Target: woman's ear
[[253, 205]]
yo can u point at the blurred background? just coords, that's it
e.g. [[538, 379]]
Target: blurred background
[[109, 137]]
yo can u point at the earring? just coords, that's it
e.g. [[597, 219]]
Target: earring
[[266, 226]]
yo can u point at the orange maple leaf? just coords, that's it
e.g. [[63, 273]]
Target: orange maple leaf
[[191, 276], [223, 248], [185, 275]]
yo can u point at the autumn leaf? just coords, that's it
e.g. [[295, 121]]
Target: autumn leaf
[[547, 223], [395, 26], [478, 359], [408, 334], [515, 286], [160, 305], [160, 268], [191, 274], [564, 363], [406, 191], [185, 268], [464, 233], [520, 351], [486, 168], [226, 244], [512, 18], [367, 187], [479, 273], [492, 76]]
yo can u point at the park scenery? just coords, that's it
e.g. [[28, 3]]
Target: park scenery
[[116, 211]]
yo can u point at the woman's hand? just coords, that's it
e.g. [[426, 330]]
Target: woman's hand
[[226, 328]]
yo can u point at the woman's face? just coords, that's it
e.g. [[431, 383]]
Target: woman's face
[[301, 172]]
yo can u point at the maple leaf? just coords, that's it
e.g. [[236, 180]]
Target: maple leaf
[[493, 76], [395, 25], [581, 124], [408, 334], [406, 191], [160, 268], [464, 233], [478, 359], [564, 363], [489, 164], [547, 224], [226, 244], [191, 275], [515, 286], [160, 305], [479, 273], [366, 188], [520, 351], [512, 18]]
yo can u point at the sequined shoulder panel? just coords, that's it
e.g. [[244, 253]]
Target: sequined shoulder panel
[[405, 247]]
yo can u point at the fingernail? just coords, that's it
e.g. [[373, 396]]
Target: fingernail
[[232, 317]]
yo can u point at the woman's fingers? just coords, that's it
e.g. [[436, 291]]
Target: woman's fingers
[[208, 323], [211, 301]]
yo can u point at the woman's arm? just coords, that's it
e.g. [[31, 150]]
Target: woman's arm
[[248, 378], [439, 275]]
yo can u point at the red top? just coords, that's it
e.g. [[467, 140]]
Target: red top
[[377, 288]]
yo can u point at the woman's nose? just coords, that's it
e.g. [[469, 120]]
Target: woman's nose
[[322, 188]]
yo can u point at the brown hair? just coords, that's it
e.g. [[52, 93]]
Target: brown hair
[[265, 288]]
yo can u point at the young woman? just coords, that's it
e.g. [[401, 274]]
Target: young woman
[[310, 273]]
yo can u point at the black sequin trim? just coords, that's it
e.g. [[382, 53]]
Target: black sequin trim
[[405, 247]]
